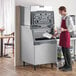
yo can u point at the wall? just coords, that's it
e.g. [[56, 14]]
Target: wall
[[70, 5]]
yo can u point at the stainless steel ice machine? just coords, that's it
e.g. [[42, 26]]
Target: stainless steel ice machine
[[36, 49]]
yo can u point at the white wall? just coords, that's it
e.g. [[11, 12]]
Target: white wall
[[70, 4]]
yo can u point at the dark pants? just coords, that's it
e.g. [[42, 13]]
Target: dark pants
[[67, 56]]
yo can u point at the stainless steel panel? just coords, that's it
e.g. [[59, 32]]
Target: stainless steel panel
[[27, 47], [45, 53]]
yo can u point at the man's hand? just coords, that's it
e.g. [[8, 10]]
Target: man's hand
[[53, 36], [62, 30], [55, 33]]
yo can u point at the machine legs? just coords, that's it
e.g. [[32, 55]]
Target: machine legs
[[23, 63], [52, 65], [35, 67]]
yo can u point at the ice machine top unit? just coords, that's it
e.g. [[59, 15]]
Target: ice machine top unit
[[42, 19]]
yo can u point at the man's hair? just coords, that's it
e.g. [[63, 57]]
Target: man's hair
[[62, 8]]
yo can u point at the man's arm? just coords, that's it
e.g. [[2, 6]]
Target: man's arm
[[70, 24], [62, 29]]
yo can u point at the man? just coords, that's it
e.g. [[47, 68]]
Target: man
[[66, 27]]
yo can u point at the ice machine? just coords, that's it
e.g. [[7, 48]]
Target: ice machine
[[36, 49]]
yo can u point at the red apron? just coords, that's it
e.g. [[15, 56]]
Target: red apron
[[64, 36]]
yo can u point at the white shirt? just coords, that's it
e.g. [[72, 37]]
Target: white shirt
[[69, 23]]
